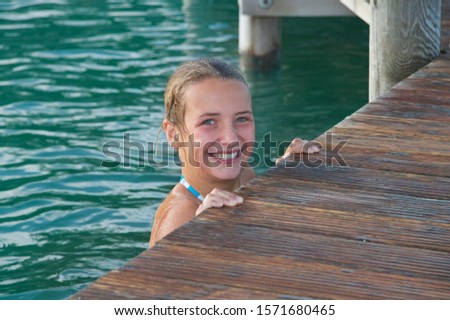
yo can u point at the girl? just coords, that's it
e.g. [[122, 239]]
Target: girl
[[209, 121]]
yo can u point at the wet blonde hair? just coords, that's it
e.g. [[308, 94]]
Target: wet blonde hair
[[189, 73]]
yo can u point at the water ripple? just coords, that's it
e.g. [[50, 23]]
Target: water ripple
[[82, 23], [100, 54], [17, 26], [38, 14], [28, 82], [127, 14], [25, 171], [15, 5], [14, 239], [5, 62]]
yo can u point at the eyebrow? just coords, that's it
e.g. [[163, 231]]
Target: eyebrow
[[213, 114], [244, 112], [209, 114]]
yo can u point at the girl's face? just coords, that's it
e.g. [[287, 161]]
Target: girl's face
[[219, 116]]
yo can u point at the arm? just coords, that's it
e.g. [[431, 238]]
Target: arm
[[173, 215], [170, 217]]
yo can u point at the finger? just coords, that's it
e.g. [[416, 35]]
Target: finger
[[283, 158], [232, 202], [211, 201], [279, 160], [219, 198], [311, 147], [224, 198], [301, 146], [296, 146], [219, 201], [226, 195]]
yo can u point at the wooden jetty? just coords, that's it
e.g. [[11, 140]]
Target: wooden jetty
[[404, 34], [378, 228]]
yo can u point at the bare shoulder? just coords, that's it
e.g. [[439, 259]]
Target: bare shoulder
[[174, 211]]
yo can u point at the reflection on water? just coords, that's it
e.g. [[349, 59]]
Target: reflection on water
[[76, 74]]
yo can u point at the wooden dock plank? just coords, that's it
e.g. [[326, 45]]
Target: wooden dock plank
[[396, 127], [367, 180], [118, 286], [382, 227], [382, 143], [395, 161], [405, 110], [411, 96], [282, 275], [378, 228], [306, 247]]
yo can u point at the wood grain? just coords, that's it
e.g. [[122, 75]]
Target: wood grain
[[404, 36]]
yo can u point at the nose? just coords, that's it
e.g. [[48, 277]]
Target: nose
[[229, 135]]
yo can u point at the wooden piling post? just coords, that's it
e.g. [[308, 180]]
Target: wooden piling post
[[259, 41], [404, 36]]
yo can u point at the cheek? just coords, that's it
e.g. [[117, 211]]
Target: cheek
[[201, 141], [204, 136], [247, 133]]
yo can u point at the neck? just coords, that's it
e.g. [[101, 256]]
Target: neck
[[205, 186]]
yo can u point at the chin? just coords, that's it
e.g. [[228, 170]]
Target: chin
[[226, 173]]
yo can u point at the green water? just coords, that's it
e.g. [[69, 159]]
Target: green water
[[76, 74]]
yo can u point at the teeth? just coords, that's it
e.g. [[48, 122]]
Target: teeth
[[225, 156]]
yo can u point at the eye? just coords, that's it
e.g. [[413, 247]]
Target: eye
[[242, 119], [208, 122]]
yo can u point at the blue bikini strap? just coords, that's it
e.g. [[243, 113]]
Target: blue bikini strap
[[191, 189]]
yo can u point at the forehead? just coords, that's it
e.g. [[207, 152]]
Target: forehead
[[218, 96]]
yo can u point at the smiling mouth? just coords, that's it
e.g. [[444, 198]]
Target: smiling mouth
[[225, 156]]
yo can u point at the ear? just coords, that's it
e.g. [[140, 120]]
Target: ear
[[171, 133]]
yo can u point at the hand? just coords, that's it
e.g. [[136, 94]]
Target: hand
[[298, 146], [219, 198]]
